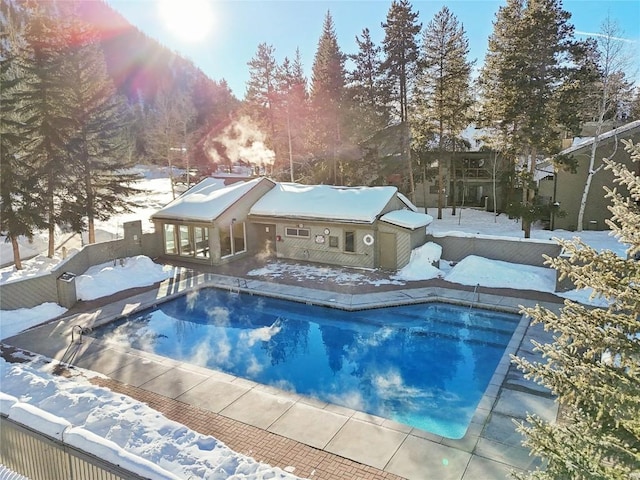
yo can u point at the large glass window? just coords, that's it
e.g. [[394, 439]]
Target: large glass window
[[225, 242], [349, 241], [186, 245], [170, 244], [232, 239], [238, 237], [201, 238], [186, 240]]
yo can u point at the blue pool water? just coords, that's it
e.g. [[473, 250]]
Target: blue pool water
[[423, 365]]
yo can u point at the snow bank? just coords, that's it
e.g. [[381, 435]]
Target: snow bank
[[119, 429], [474, 270], [107, 278], [420, 266], [13, 322]]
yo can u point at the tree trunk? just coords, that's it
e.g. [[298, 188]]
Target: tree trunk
[[16, 253], [453, 182], [406, 149], [51, 220]]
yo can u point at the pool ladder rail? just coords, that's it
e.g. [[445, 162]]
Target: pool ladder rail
[[81, 331], [477, 300]]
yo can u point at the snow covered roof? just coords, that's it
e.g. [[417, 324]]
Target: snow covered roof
[[407, 219], [206, 201], [585, 141], [407, 202], [354, 204]]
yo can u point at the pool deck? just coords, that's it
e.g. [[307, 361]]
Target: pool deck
[[316, 439]]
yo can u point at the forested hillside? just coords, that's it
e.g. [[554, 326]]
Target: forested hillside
[[84, 97]]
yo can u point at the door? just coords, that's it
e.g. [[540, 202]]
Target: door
[[266, 239], [388, 253]]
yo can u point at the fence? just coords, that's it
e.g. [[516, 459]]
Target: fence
[[513, 250], [34, 291], [40, 457], [51, 287]]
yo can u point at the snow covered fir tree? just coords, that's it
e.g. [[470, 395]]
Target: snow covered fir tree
[[593, 365]]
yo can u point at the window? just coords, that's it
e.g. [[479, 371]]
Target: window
[[186, 247], [186, 240], [349, 241], [232, 239], [225, 242], [333, 242], [297, 232], [170, 244], [238, 237], [201, 238]]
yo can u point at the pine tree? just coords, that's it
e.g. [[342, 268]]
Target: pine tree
[[366, 88], [43, 104], [20, 214], [401, 48], [529, 60], [593, 365], [260, 98], [634, 106], [100, 148], [327, 93], [443, 95], [292, 110]]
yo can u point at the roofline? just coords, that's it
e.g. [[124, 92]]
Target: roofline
[[212, 220], [602, 137], [254, 216]]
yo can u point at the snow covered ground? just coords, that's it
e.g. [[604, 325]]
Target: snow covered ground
[[118, 427]]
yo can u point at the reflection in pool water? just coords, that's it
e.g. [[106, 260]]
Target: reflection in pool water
[[423, 365]]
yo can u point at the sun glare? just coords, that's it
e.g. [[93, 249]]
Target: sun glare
[[189, 20]]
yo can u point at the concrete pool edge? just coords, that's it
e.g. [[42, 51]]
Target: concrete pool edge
[[466, 446]]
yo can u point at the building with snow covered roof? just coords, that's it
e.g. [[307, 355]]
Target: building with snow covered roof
[[566, 188], [366, 227]]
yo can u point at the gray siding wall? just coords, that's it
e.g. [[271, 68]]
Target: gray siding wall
[[406, 241], [316, 248], [33, 291], [507, 250]]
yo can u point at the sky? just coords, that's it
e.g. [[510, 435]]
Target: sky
[[220, 37], [116, 427]]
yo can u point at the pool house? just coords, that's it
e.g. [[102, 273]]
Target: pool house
[[365, 227]]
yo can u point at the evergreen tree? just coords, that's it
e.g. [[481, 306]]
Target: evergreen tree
[[401, 50], [327, 94], [367, 110], [100, 147], [443, 95], [634, 107], [530, 57], [260, 97], [366, 88], [292, 110], [593, 364], [20, 214], [43, 104]]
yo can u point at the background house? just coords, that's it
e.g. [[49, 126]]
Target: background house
[[566, 188]]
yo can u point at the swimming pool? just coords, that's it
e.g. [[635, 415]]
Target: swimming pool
[[424, 365]]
